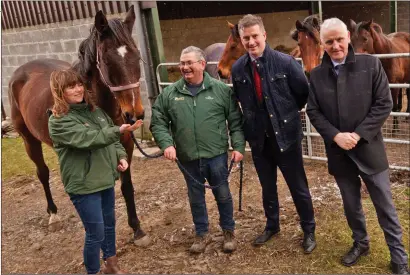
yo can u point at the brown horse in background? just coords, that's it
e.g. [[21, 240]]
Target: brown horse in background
[[307, 34], [109, 64], [368, 37], [234, 49]]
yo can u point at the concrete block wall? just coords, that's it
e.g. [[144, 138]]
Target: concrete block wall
[[202, 32], [403, 16], [359, 11], [58, 41]]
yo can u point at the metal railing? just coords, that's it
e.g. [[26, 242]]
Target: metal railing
[[397, 140]]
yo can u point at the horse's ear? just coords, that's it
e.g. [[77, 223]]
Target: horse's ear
[[101, 23], [366, 25], [130, 19], [294, 34], [315, 22], [352, 25], [299, 25], [230, 25]]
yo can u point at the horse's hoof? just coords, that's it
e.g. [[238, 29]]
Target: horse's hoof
[[142, 242], [54, 223]]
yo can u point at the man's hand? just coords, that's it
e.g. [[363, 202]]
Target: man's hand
[[236, 156], [170, 153], [355, 136], [123, 165], [345, 141]]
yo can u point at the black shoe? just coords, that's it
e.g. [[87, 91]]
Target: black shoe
[[309, 242], [354, 254], [265, 236], [399, 268]]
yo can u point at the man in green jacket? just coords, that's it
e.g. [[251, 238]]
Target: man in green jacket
[[196, 108]]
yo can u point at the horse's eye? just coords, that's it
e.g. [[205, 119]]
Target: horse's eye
[[233, 46]]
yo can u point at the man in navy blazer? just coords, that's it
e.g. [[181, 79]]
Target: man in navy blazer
[[272, 88]]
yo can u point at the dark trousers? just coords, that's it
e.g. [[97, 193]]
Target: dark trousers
[[378, 186], [97, 212], [290, 163]]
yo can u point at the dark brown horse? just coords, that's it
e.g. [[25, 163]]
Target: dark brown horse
[[368, 37], [109, 64], [234, 49], [307, 34]]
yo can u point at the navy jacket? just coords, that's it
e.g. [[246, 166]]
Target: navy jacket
[[285, 91]]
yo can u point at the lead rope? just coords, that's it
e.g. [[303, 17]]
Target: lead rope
[[192, 177]]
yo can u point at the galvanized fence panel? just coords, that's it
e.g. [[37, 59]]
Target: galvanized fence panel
[[397, 141]]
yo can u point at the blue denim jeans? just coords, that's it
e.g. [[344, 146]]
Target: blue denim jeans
[[97, 213], [215, 171]]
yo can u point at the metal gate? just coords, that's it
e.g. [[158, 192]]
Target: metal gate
[[397, 143]]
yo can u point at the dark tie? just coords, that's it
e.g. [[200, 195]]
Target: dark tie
[[337, 67], [257, 81]]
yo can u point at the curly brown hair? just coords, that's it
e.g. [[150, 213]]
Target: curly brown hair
[[59, 81]]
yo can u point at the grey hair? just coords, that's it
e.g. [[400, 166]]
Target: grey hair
[[250, 20], [199, 53], [331, 24]]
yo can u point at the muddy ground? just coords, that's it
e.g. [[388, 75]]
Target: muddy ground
[[30, 246]]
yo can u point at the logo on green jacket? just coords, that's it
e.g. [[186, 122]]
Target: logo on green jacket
[[179, 98], [209, 97]]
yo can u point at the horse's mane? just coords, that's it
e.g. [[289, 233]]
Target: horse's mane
[[367, 25], [309, 25], [87, 49], [235, 32]]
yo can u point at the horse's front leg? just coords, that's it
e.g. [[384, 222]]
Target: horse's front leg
[[127, 189]]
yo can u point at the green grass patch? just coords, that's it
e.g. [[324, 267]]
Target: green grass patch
[[334, 239], [15, 161]]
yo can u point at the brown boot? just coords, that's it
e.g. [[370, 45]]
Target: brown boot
[[229, 241], [111, 266], [199, 244]]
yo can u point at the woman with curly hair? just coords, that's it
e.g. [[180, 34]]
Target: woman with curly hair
[[91, 156]]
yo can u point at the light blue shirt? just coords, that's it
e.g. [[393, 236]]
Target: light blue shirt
[[253, 60], [336, 65]]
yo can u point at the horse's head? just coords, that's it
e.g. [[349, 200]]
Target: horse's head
[[109, 60], [307, 34], [233, 50], [363, 35]]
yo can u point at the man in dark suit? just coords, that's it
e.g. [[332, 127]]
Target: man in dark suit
[[348, 103], [272, 88]]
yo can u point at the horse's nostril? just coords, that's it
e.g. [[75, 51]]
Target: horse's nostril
[[141, 116], [220, 73]]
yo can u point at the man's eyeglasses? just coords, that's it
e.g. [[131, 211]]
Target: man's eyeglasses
[[188, 63]]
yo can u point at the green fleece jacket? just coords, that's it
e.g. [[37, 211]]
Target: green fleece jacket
[[88, 147], [198, 123]]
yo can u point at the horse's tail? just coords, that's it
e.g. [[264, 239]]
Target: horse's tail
[[17, 81]]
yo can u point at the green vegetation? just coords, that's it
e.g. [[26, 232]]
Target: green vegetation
[[15, 162]]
